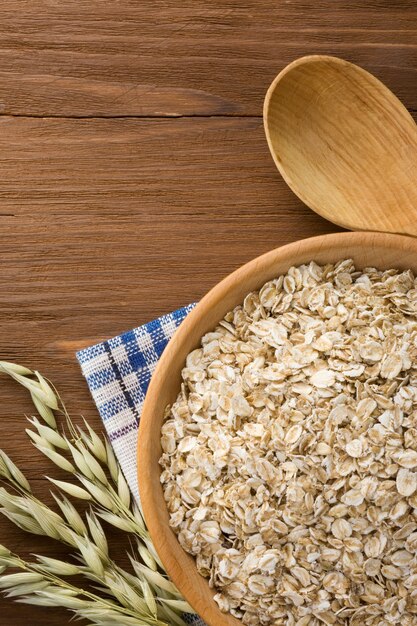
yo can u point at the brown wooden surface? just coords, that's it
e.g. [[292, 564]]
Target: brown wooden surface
[[112, 219]]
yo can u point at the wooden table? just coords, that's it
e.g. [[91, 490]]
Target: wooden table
[[135, 172]]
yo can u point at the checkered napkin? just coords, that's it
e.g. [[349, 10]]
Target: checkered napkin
[[118, 373]]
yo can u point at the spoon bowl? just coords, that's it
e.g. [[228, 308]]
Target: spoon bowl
[[345, 144]]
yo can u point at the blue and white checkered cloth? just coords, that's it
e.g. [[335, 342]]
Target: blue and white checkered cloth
[[118, 373]]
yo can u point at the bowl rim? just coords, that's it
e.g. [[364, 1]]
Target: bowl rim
[[178, 564]]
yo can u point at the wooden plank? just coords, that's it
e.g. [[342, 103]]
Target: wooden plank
[[105, 224], [100, 58]]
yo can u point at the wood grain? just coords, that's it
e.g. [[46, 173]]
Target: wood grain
[[379, 250], [104, 58], [107, 223]]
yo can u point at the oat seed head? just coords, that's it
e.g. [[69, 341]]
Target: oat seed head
[[10, 470], [41, 583], [58, 567], [72, 490], [58, 459]]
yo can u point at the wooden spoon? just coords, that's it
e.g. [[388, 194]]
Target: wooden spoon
[[345, 144]]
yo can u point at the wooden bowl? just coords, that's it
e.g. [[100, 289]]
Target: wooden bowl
[[378, 250]]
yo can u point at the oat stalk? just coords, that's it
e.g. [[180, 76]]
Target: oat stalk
[[146, 597]]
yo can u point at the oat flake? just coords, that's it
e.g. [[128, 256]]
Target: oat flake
[[290, 455]]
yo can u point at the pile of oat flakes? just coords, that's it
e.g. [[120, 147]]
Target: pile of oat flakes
[[290, 455]]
